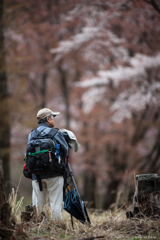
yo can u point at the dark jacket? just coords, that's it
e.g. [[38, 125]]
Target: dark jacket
[[58, 138]]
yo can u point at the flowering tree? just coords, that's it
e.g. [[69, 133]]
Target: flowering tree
[[98, 62], [117, 74]]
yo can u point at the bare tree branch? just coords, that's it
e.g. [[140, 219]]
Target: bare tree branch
[[154, 5]]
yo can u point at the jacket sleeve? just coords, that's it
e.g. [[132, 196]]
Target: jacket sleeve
[[61, 140], [29, 137]]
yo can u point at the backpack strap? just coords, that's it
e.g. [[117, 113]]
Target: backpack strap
[[40, 182], [52, 132], [41, 134], [65, 182]]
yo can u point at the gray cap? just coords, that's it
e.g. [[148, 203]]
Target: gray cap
[[46, 112]]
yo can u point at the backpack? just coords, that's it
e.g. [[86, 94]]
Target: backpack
[[43, 156], [42, 153]]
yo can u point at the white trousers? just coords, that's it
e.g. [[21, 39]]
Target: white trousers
[[54, 188]]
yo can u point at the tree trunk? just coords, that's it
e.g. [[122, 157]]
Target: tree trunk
[[5, 210], [65, 93], [89, 179], [43, 89], [4, 119], [111, 193], [2, 195], [115, 175], [89, 189]]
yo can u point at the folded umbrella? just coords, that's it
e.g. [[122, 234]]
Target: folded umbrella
[[76, 208], [73, 203]]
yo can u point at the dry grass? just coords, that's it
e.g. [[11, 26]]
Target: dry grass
[[108, 225], [16, 206], [104, 225]]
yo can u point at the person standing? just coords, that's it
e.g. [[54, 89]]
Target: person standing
[[52, 182]]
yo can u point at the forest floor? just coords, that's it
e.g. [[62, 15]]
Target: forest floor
[[105, 225]]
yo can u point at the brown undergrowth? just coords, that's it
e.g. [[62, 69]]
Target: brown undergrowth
[[104, 225]]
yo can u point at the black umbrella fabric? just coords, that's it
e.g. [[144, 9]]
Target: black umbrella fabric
[[73, 206]]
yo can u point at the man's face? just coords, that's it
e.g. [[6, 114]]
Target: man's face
[[50, 121]]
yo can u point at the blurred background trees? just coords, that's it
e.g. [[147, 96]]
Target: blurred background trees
[[4, 109], [98, 63]]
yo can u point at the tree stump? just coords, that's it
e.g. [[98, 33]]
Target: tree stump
[[146, 200], [28, 214], [6, 229]]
